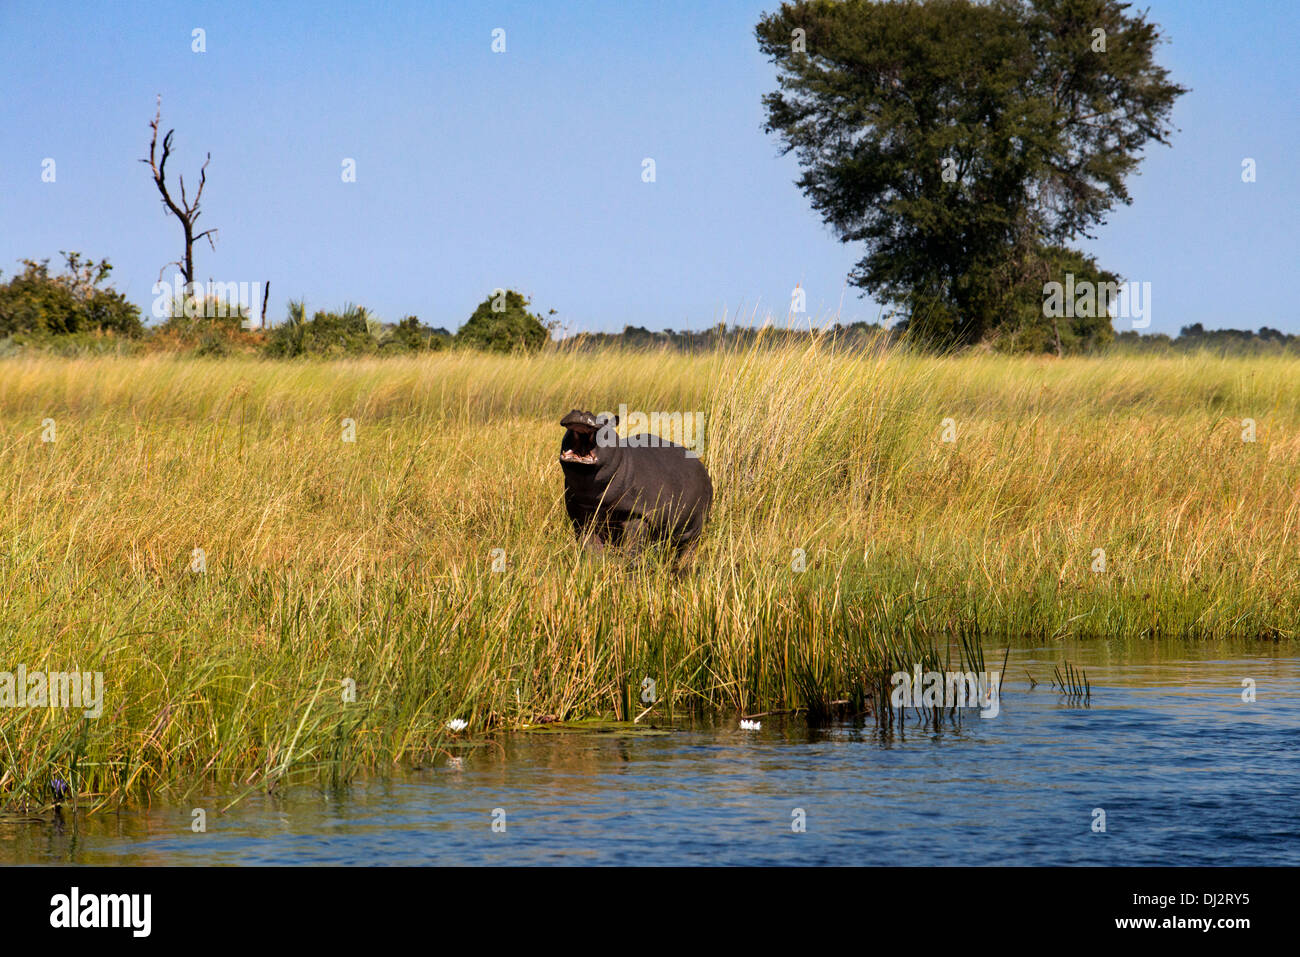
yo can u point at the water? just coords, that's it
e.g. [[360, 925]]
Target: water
[[1185, 771]]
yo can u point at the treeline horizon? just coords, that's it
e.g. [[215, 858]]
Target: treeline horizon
[[77, 312], [1194, 336]]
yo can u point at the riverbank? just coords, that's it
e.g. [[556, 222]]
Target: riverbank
[[1166, 766]]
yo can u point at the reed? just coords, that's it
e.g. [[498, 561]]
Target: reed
[[1072, 682]]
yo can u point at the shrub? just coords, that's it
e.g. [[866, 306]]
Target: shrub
[[38, 304], [350, 332], [502, 323], [212, 328], [410, 335]]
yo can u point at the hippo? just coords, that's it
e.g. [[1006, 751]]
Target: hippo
[[631, 496]]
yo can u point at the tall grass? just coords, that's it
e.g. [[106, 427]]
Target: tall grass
[[329, 561]]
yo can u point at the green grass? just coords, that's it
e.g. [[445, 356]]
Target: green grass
[[371, 561]]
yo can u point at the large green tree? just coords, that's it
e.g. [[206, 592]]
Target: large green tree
[[965, 143]]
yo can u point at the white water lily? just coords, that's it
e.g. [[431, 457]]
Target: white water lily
[[746, 725], [457, 724]]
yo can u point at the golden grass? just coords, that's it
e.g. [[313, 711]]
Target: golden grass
[[371, 560]]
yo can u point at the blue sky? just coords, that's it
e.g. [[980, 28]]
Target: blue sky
[[523, 169]]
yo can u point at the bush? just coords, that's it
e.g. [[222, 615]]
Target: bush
[[410, 335], [354, 331], [503, 323], [35, 304], [213, 328], [324, 334]]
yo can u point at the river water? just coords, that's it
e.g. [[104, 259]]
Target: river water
[[1184, 770]]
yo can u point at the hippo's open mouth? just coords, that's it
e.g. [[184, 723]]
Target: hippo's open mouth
[[568, 455], [579, 445]]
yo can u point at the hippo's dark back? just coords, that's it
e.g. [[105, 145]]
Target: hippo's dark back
[[670, 490]]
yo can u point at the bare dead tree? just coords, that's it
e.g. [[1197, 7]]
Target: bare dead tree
[[185, 211]]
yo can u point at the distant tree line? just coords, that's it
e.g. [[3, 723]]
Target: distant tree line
[[859, 334], [76, 311], [1196, 337]]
